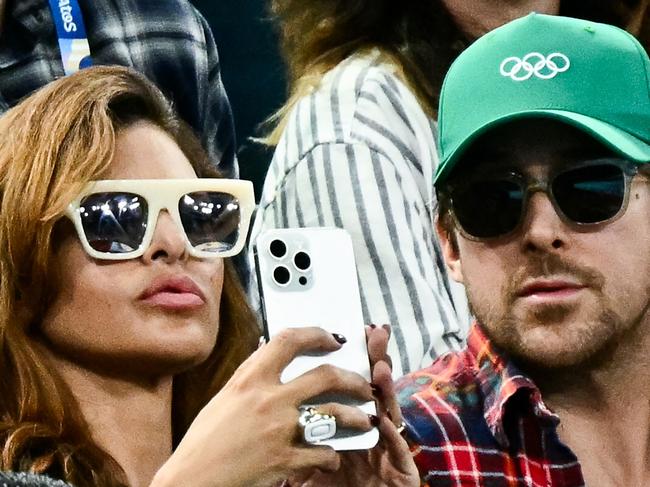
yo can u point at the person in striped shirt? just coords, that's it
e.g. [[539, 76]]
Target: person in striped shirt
[[544, 130], [356, 148]]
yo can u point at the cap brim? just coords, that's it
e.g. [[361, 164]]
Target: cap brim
[[621, 142]]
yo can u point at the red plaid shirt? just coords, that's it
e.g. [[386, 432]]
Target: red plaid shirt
[[473, 419]]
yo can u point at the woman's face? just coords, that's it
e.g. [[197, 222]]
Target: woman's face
[[150, 316]]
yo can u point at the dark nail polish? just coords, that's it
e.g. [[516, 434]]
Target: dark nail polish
[[372, 326], [387, 329], [374, 420], [339, 338]]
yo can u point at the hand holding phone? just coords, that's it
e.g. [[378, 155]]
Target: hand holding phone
[[307, 277]]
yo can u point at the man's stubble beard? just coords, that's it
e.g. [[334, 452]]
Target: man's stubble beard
[[592, 342]]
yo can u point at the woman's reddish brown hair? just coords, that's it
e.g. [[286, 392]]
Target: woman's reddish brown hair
[[51, 145]]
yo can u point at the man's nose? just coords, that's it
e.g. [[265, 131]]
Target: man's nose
[[543, 229]]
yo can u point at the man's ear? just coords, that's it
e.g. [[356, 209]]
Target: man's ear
[[449, 246]]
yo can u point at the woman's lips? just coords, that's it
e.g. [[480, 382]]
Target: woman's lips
[[173, 293]]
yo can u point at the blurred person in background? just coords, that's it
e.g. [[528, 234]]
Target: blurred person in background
[[356, 145]]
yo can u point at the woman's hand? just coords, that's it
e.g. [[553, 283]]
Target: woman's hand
[[248, 434], [389, 463]]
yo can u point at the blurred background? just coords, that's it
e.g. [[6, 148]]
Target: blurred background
[[252, 72]]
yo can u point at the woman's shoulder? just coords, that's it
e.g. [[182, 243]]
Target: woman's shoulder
[[367, 77], [24, 479], [363, 87], [363, 67]]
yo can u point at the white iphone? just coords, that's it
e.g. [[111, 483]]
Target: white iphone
[[307, 277]]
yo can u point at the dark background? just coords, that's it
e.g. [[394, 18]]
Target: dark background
[[252, 73]]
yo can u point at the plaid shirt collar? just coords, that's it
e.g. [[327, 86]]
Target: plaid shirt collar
[[500, 380]]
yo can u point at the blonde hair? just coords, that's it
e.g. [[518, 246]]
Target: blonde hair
[[52, 144]]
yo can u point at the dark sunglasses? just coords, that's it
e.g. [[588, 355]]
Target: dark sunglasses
[[116, 219], [586, 193]]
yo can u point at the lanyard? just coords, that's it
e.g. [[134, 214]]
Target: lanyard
[[71, 32]]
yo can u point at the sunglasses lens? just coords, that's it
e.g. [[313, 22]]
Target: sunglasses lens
[[114, 223], [211, 220], [488, 208], [590, 194]]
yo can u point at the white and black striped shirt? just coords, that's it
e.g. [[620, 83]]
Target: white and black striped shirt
[[359, 153]]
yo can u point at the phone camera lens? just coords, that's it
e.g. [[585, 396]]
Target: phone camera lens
[[278, 248], [302, 261], [281, 275], [302, 280]]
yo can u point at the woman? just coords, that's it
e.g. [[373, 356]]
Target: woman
[[123, 331], [355, 146]]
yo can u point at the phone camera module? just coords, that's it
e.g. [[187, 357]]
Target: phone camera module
[[281, 275], [278, 248], [302, 261]]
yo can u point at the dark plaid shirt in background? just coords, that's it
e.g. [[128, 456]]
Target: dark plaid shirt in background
[[166, 40], [473, 419]]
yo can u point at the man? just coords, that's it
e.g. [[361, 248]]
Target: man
[[167, 41], [544, 202]]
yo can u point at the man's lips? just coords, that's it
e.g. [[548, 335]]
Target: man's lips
[[550, 288], [175, 293]]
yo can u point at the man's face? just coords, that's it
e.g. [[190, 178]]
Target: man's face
[[554, 294]]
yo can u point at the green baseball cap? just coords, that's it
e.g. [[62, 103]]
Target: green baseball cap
[[592, 76]]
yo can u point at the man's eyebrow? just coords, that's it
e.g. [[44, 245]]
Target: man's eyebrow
[[589, 151], [487, 153], [575, 152], [480, 160]]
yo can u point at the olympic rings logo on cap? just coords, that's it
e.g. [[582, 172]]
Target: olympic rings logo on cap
[[534, 63]]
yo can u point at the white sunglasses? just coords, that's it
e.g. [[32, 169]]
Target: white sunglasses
[[116, 219]]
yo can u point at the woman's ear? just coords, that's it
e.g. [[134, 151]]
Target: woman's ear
[[449, 246]]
